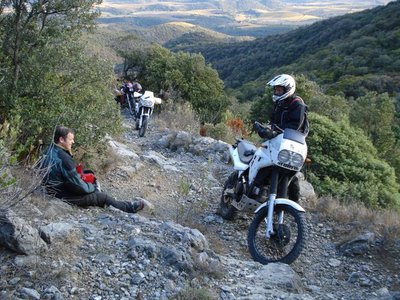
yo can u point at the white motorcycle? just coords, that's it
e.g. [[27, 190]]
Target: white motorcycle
[[260, 182], [144, 109]]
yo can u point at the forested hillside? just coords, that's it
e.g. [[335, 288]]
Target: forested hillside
[[349, 53]]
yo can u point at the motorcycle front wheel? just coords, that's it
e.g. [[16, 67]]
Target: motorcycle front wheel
[[142, 130], [287, 241], [226, 210]]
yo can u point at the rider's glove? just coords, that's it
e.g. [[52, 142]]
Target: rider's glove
[[257, 127], [265, 133]]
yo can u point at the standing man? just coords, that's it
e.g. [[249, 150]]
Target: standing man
[[289, 112], [63, 181], [289, 109]]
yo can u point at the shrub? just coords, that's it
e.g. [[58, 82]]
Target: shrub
[[237, 126], [345, 164], [178, 116], [220, 131]]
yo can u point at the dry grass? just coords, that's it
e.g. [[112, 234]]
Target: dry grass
[[385, 222], [178, 116], [190, 293]]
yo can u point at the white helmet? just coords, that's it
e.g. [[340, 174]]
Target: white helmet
[[287, 82]]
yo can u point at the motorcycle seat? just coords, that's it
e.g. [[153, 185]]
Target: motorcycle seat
[[246, 151]]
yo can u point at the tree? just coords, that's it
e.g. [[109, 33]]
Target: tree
[[34, 24], [185, 76], [334, 107], [133, 50], [49, 79], [375, 115]]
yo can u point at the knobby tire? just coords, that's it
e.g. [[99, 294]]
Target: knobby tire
[[142, 130], [276, 249]]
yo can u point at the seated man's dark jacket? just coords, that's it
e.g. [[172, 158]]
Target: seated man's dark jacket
[[61, 179]]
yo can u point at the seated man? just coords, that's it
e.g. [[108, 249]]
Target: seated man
[[63, 181]]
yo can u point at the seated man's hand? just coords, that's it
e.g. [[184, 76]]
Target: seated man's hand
[[97, 185]]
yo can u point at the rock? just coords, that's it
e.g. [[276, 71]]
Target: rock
[[192, 237], [281, 275], [182, 141], [143, 245], [357, 246], [52, 293], [27, 261], [166, 140], [29, 293], [122, 150], [334, 262], [17, 235], [57, 231]]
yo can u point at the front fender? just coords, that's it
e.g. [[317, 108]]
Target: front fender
[[282, 201]]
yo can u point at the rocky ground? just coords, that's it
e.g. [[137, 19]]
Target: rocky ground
[[181, 249]]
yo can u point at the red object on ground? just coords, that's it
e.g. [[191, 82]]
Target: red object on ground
[[86, 177]]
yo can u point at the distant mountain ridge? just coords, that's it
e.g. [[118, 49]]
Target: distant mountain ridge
[[244, 17], [334, 51], [237, 5]]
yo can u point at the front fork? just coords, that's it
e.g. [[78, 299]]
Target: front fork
[[144, 112], [273, 190]]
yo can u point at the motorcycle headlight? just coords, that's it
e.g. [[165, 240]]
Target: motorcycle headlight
[[284, 156], [297, 160], [147, 103], [290, 159]]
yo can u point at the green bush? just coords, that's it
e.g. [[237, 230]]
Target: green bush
[[47, 78], [79, 97], [345, 164], [185, 76]]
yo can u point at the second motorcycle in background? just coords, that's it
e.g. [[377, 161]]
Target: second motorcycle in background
[[144, 109]]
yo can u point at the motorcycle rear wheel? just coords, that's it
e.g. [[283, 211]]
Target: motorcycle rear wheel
[[287, 242], [226, 210], [142, 130]]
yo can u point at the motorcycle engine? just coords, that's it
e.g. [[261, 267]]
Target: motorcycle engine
[[260, 194]]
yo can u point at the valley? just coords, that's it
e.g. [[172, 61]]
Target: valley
[[237, 18]]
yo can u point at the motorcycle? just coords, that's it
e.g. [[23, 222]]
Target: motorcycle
[[260, 183], [144, 111]]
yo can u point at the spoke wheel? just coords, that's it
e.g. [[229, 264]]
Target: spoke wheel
[[287, 241]]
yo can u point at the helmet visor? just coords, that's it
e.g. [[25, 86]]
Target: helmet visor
[[279, 90]]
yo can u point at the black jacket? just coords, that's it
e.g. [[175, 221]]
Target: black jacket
[[289, 113], [62, 179]]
